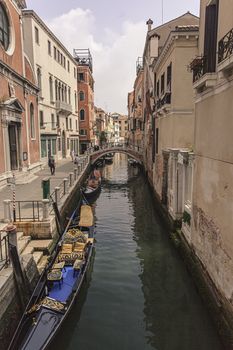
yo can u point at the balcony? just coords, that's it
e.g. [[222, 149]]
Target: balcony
[[225, 54], [163, 104], [203, 76], [64, 108]]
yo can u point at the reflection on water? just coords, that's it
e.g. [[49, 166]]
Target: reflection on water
[[140, 295]]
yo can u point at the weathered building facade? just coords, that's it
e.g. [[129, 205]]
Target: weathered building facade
[[19, 129], [56, 76], [212, 219], [85, 86]]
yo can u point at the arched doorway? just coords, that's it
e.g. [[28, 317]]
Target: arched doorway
[[63, 144]]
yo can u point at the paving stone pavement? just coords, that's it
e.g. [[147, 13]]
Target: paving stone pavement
[[33, 190]]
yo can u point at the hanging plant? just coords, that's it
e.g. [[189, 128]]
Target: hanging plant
[[186, 218]]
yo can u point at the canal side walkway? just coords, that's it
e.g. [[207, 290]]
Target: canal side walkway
[[33, 190]]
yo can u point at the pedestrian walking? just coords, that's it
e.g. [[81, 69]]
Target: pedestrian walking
[[51, 164]]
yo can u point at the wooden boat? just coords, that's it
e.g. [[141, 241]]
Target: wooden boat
[[58, 286], [93, 185], [109, 158]]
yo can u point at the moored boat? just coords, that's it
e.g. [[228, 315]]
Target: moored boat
[[93, 186], [58, 286]]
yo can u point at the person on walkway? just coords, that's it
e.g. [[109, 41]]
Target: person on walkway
[[51, 164]]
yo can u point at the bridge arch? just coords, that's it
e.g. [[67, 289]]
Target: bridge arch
[[98, 154]]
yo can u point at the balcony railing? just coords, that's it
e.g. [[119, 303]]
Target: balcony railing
[[225, 46], [64, 107], [166, 100], [198, 67]]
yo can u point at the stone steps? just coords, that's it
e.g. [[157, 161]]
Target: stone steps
[[23, 243], [37, 256], [41, 245], [42, 264]]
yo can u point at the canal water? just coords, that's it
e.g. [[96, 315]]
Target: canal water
[[139, 294]]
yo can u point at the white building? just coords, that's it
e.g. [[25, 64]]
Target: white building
[[56, 75]]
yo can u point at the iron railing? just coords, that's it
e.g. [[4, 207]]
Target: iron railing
[[4, 250], [225, 46], [28, 210], [199, 67]]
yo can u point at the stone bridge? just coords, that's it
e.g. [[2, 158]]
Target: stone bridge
[[94, 156]]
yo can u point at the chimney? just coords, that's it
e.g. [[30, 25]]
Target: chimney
[[149, 24]]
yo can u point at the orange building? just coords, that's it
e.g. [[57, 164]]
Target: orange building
[[86, 99], [19, 132]]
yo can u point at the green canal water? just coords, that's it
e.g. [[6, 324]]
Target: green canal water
[[139, 294]]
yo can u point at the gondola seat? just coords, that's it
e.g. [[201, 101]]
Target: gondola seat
[[77, 266], [55, 275]]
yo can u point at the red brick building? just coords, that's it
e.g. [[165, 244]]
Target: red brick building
[[19, 132], [87, 124]]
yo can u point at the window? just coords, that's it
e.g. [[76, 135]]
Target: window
[[37, 35], [75, 101], [54, 147], [32, 121], [54, 52], [43, 148], [58, 121], [49, 48], [76, 125], [39, 80], [59, 144], [51, 88], [41, 119], [81, 96], [83, 132], [162, 83], [74, 72], [169, 77], [68, 66], [68, 143], [69, 95], [53, 121], [157, 88], [71, 124], [82, 114], [64, 62], [67, 126], [4, 28], [81, 76], [58, 55]]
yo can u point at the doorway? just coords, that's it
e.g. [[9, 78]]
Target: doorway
[[63, 144], [13, 146]]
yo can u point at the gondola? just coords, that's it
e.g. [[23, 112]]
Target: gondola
[[58, 286], [93, 186]]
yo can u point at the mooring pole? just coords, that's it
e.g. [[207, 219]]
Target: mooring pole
[[13, 198]]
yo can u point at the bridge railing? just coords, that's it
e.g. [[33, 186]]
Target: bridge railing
[[112, 145]]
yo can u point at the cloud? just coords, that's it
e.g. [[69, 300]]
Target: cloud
[[114, 56]]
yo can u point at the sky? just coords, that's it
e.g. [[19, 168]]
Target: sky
[[114, 31]]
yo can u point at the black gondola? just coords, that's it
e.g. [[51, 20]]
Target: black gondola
[[58, 286], [93, 186]]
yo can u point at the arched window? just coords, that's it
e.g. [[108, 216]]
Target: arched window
[[82, 114], [81, 96], [4, 28], [39, 80], [51, 88], [32, 121]]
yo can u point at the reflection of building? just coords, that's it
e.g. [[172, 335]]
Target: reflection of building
[[19, 134], [56, 74], [87, 124], [212, 219]]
